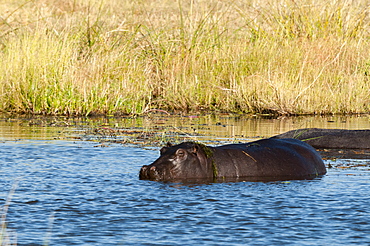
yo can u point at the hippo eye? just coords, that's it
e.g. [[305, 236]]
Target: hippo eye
[[180, 153]]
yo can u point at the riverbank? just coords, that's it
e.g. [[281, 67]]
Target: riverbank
[[117, 57]]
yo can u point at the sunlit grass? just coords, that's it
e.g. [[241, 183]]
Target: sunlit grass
[[84, 57]]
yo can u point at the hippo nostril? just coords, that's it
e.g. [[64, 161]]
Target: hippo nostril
[[153, 173], [143, 172], [144, 169], [149, 172]]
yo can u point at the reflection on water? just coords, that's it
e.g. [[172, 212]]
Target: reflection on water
[[221, 128], [73, 193]]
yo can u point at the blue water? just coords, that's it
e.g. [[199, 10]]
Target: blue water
[[72, 193]]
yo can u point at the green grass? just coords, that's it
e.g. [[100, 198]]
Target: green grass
[[82, 57]]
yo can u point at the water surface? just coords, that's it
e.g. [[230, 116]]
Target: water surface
[[70, 192]]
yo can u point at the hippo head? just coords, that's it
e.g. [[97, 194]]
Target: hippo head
[[178, 162]]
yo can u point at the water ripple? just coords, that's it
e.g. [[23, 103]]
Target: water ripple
[[92, 196]]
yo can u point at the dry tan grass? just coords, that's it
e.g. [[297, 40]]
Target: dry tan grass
[[96, 56]]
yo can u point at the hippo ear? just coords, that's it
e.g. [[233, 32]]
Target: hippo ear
[[195, 149], [163, 150], [169, 144]]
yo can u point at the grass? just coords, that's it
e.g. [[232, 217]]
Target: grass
[[83, 57], [7, 238]]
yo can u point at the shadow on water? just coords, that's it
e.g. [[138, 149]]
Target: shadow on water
[[210, 181]]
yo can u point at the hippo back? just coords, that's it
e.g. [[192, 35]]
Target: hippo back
[[331, 138], [269, 158]]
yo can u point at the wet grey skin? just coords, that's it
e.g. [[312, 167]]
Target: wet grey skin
[[267, 159]]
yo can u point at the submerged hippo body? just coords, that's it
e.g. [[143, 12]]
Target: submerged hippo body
[[331, 138], [267, 159], [334, 143]]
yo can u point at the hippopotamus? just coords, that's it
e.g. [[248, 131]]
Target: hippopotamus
[[334, 143], [331, 138], [266, 159]]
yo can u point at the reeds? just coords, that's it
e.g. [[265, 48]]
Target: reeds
[[80, 57], [6, 237]]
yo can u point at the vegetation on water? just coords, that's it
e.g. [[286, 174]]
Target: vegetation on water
[[83, 57]]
